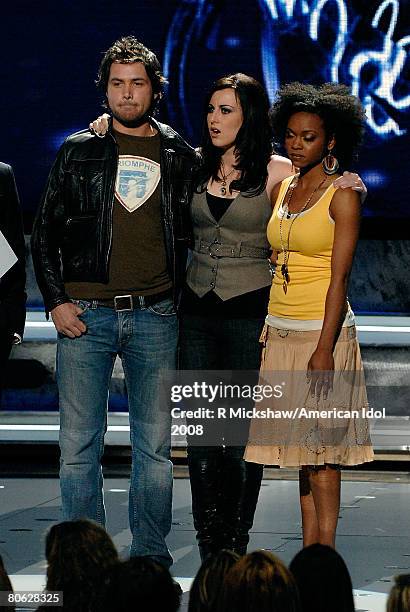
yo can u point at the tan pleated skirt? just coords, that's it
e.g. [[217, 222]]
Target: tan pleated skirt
[[297, 428]]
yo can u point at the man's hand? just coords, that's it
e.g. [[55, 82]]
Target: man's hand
[[100, 125], [66, 321]]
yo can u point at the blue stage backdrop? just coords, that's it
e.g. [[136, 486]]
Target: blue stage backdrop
[[51, 51]]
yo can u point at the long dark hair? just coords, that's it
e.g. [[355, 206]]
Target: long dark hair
[[253, 144]]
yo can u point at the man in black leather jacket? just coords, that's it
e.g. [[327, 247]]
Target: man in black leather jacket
[[12, 283], [109, 248]]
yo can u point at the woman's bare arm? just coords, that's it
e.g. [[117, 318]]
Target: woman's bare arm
[[279, 168], [345, 210]]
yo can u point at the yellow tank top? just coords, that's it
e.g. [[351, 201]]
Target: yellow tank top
[[310, 254]]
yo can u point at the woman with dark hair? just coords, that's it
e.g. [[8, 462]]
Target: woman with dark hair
[[225, 298], [205, 592], [78, 553], [323, 580], [309, 333], [259, 581]]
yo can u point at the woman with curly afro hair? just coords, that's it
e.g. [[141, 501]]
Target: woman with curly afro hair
[[309, 335]]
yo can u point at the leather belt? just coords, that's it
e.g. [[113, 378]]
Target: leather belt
[[123, 303], [217, 249]]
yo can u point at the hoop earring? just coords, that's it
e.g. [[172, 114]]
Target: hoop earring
[[330, 163]]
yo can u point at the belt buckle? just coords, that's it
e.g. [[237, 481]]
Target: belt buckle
[[128, 303], [282, 333], [211, 247]]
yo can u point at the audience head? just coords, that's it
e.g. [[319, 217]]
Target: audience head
[[399, 598], [323, 580], [5, 585], [259, 581], [78, 553], [207, 586], [141, 584]]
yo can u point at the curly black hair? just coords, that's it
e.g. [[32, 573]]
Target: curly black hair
[[253, 145], [342, 114]]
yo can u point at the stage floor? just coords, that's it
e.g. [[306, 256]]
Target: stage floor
[[373, 534]]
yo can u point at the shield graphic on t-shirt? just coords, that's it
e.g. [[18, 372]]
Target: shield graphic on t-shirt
[[137, 179]]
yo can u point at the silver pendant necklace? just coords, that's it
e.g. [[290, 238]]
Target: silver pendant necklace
[[224, 177]]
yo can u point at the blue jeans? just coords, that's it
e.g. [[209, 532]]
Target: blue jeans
[[146, 342]]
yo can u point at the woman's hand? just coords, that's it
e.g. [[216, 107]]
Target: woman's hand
[[272, 262], [320, 372], [100, 125], [351, 180]]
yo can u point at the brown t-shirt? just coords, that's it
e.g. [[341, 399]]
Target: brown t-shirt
[[137, 263]]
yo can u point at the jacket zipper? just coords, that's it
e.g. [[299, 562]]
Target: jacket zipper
[[79, 219], [168, 217], [111, 207]]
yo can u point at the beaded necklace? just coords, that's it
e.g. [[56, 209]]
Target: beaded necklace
[[285, 250]]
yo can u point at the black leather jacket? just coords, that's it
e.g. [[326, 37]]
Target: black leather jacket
[[72, 233]]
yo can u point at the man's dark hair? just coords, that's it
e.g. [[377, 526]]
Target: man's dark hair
[[207, 586], [342, 114], [253, 144], [323, 580], [139, 584], [77, 554], [259, 581], [127, 50]]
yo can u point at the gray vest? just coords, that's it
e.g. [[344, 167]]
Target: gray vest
[[230, 256]]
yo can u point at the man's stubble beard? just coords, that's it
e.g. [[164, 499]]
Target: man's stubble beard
[[131, 123]]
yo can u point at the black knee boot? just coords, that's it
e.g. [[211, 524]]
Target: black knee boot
[[240, 491], [205, 477], [232, 492], [254, 475]]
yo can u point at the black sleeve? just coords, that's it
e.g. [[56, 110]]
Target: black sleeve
[[12, 284], [45, 237]]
